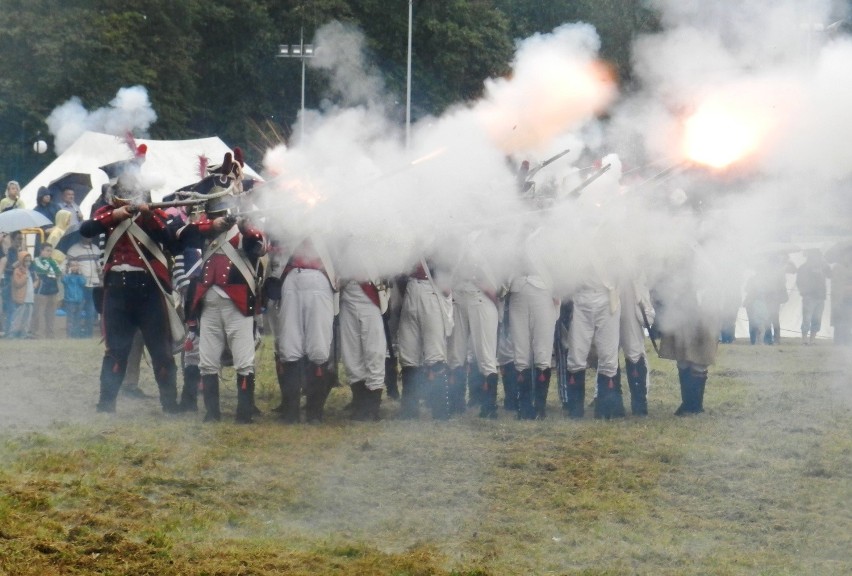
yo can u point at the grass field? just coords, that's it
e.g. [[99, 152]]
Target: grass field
[[759, 484]]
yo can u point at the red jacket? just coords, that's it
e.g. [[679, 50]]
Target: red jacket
[[219, 270], [154, 223]]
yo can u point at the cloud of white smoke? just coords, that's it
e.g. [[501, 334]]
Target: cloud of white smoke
[[753, 100], [379, 207], [129, 112], [743, 124]]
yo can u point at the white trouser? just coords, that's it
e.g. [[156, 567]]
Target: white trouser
[[306, 317], [223, 325], [632, 329], [593, 321], [475, 317], [532, 320], [362, 337], [421, 337]]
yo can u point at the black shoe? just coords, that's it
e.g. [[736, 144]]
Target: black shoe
[[106, 407]]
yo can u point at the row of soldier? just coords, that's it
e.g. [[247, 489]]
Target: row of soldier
[[220, 266]]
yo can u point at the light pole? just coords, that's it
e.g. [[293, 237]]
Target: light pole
[[301, 51], [408, 80]]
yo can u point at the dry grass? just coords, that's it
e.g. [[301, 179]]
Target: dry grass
[[760, 484]]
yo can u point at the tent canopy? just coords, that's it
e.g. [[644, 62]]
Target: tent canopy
[[169, 164]]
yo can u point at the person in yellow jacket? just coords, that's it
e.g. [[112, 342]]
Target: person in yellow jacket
[[63, 223]]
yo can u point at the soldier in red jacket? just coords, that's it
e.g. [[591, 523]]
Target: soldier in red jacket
[[137, 284], [225, 295]]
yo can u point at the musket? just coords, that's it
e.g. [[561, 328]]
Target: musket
[[650, 331], [659, 176], [600, 172], [550, 160], [193, 199]]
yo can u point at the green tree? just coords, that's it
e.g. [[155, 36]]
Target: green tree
[[90, 49], [456, 45], [34, 74], [146, 42], [209, 65]]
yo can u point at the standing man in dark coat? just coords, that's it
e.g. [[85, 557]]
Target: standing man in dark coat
[[689, 324], [811, 279]]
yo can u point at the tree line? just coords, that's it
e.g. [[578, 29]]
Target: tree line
[[210, 68]]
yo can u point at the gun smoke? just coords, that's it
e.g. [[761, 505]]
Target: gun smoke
[[453, 195], [129, 112]]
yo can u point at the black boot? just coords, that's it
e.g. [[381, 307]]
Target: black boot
[[391, 376], [245, 388], [112, 375], [637, 378], [510, 387], [410, 400], [359, 391], [609, 403], [523, 380], [439, 390], [317, 387], [189, 394], [457, 386], [166, 377], [685, 392], [475, 386], [692, 391], [372, 402], [488, 407], [699, 381], [290, 383], [575, 395], [210, 393], [540, 388], [617, 398]]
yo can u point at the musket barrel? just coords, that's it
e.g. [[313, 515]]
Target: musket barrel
[[590, 179]]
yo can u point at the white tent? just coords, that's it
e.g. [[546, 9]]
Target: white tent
[[169, 164]]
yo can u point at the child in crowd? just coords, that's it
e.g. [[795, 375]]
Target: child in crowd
[[75, 284], [47, 291]]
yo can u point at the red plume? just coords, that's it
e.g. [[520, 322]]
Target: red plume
[[131, 143], [203, 161], [141, 150]]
